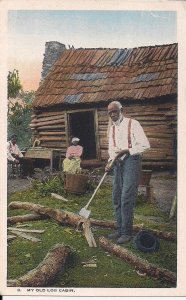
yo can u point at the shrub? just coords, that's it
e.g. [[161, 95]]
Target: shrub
[[54, 185]]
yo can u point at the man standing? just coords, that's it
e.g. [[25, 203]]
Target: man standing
[[14, 155], [127, 141]]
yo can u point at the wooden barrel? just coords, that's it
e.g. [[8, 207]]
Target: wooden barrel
[[76, 183]]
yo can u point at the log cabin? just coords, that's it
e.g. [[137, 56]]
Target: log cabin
[[72, 100]]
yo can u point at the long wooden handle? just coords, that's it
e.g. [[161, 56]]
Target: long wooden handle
[[102, 179]]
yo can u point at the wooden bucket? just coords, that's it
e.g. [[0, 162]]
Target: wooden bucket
[[76, 183], [145, 177]]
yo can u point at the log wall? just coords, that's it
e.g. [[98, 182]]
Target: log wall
[[50, 128], [159, 122]]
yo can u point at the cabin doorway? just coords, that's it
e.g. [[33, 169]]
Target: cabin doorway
[[82, 125]]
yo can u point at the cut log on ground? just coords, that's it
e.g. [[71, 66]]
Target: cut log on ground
[[25, 218], [45, 273], [140, 264], [171, 236], [63, 217]]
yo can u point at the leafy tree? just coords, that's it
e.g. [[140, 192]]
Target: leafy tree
[[14, 84], [19, 114]]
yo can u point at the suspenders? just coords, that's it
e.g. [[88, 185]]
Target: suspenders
[[129, 134]]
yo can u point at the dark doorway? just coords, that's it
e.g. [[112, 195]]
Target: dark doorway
[[81, 125]]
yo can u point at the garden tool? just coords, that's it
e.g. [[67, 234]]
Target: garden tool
[[84, 212]]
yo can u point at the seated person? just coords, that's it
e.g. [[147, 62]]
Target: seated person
[[15, 156], [71, 163]]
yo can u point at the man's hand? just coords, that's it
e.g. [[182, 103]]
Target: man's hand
[[107, 167], [121, 153], [16, 161]]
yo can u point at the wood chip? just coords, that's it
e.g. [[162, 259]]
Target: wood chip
[[59, 197], [90, 266]]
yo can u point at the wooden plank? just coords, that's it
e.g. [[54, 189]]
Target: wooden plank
[[10, 237], [27, 236], [25, 230], [38, 153]]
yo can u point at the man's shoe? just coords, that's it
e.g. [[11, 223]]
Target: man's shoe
[[114, 235], [123, 239]]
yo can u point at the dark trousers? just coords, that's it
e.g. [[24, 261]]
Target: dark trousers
[[26, 165], [124, 192]]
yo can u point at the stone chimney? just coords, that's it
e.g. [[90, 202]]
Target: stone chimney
[[53, 51]]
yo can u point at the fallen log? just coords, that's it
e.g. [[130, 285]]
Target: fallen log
[[140, 264], [45, 273], [25, 218], [171, 236], [63, 217]]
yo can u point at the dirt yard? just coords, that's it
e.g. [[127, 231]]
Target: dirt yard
[[164, 188]]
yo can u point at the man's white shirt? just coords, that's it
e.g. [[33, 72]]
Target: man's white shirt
[[13, 149], [139, 140]]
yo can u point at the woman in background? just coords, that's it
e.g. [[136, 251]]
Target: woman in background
[[71, 163]]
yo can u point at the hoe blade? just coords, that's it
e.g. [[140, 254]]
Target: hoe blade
[[84, 213]]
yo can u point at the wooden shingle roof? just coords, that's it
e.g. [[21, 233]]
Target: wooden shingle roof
[[97, 75]]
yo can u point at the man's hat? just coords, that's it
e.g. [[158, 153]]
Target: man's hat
[[146, 242], [13, 136]]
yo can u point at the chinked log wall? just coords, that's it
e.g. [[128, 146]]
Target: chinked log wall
[[158, 121], [50, 128]]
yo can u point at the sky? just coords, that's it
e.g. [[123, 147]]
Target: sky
[[29, 30]]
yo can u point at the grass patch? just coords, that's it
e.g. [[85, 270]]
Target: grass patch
[[111, 271]]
